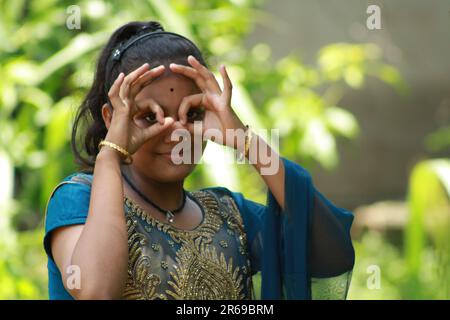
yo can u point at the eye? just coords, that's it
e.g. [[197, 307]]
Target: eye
[[150, 117], [195, 114]]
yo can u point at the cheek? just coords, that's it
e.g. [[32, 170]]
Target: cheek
[[146, 152], [147, 159]]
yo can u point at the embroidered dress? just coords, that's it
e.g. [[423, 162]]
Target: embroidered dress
[[208, 262], [216, 260]]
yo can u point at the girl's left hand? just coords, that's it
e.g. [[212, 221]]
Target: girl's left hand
[[217, 103]]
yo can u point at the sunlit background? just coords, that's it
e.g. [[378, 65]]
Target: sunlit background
[[367, 112]]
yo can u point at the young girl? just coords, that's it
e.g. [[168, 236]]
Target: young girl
[[126, 227]]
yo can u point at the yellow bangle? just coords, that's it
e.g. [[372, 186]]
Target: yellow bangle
[[122, 151], [246, 148], [248, 140]]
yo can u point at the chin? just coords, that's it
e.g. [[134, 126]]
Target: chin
[[160, 167], [177, 173], [167, 171]]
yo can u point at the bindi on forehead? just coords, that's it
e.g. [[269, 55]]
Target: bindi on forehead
[[171, 89]]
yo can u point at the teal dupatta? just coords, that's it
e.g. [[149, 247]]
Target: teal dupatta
[[279, 240]]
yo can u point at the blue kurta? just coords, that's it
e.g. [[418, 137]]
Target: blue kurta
[[278, 242]]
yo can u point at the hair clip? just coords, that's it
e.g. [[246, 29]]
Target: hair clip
[[116, 55]]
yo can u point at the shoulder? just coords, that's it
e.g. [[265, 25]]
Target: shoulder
[[69, 198], [70, 186], [80, 178], [73, 181], [244, 212], [68, 204], [236, 200], [218, 191], [224, 194]]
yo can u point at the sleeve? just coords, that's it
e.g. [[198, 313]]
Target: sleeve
[[331, 251], [68, 205], [305, 251]]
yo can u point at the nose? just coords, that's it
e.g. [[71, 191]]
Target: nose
[[175, 126]]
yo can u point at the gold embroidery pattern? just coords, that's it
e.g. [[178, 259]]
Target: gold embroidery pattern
[[141, 284], [234, 219], [203, 274], [235, 223], [206, 229], [201, 270]]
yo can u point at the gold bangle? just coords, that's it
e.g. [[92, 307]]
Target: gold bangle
[[122, 151], [248, 140]]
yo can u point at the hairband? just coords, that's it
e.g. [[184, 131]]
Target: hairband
[[117, 54]]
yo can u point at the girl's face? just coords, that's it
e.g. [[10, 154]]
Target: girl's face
[[152, 159]]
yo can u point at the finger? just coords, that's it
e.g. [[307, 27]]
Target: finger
[[129, 79], [208, 76], [158, 128], [227, 85], [159, 115], [191, 128], [190, 73], [113, 93], [151, 104], [148, 75], [204, 72], [186, 104], [145, 80]]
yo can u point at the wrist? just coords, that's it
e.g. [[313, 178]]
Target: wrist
[[108, 155], [235, 124], [244, 144], [125, 155], [118, 138]]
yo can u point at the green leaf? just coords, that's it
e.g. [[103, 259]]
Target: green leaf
[[429, 204], [342, 122]]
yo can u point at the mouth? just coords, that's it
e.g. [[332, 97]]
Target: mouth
[[169, 156]]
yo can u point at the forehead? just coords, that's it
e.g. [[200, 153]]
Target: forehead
[[168, 89]]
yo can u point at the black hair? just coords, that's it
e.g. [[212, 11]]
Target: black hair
[[164, 48]]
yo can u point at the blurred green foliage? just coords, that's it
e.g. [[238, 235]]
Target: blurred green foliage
[[429, 221], [420, 268], [46, 68]]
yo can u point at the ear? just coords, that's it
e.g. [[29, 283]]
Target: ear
[[107, 115]]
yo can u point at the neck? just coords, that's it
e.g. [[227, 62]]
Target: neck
[[167, 195]]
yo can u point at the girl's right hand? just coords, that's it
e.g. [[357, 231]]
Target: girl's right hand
[[123, 130]]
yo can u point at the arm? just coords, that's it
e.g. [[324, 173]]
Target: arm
[[275, 181], [220, 115], [330, 246], [99, 247]]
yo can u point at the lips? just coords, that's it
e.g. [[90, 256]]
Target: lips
[[170, 152], [168, 155]]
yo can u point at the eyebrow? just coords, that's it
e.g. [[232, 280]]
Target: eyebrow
[[162, 106]]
